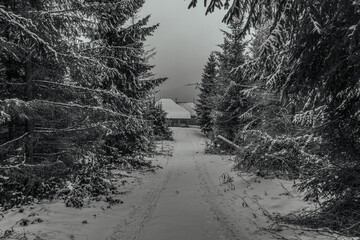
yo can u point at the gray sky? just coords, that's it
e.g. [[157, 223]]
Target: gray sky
[[183, 43]]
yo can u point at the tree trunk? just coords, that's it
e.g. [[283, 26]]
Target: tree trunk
[[228, 142], [29, 123], [11, 132]]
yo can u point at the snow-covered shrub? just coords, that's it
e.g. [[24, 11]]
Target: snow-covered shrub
[[89, 181], [23, 183], [335, 186], [335, 182], [281, 156]]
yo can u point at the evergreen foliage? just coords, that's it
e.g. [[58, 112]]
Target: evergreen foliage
[[160, 126], [305, 59], [70, 108], [208, 94], [230, 103]]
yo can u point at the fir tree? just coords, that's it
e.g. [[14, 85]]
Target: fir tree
[[309, 56], [208, 94], [157, 117], [126, 54], [230, 103], [66, 103]]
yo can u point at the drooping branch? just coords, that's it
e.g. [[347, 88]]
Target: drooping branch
[[14, 140]]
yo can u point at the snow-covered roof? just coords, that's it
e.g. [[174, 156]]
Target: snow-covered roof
[[190, 106], [173, 110]]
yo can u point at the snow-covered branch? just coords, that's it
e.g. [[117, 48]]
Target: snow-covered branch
[[14, 140]]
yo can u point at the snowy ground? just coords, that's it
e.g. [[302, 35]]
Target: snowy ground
[[186, 199]]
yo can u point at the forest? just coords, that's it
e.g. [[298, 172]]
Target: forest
[[290, 98], [77, 100], [76, 97]]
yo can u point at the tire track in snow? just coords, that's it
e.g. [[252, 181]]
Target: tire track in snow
[[132, 226], [230, 231]]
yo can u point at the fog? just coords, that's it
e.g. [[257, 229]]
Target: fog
[[183, 42]]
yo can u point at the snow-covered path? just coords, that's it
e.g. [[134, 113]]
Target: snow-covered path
[[183, 200], [181, 203], [182, 211]]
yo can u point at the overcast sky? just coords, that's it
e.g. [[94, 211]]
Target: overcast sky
[[183, 43]]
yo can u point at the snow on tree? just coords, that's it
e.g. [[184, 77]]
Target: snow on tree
[[308, 55], [160, 126], [208, 94], [230, 103], [68, 101]]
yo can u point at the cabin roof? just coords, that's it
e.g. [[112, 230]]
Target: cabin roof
[[190, 106], [173, 110]]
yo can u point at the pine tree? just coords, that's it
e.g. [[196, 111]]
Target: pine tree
[[208, 94]]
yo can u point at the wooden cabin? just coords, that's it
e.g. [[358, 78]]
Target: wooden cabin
[[190, 106], [176, 115]]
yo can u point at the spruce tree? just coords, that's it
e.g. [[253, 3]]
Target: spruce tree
[[64, 104], [230, 103], [208, 94], [127, 56], [310, 58], [160, 127]]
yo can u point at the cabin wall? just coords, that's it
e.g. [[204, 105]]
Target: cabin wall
[[179, 122]]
